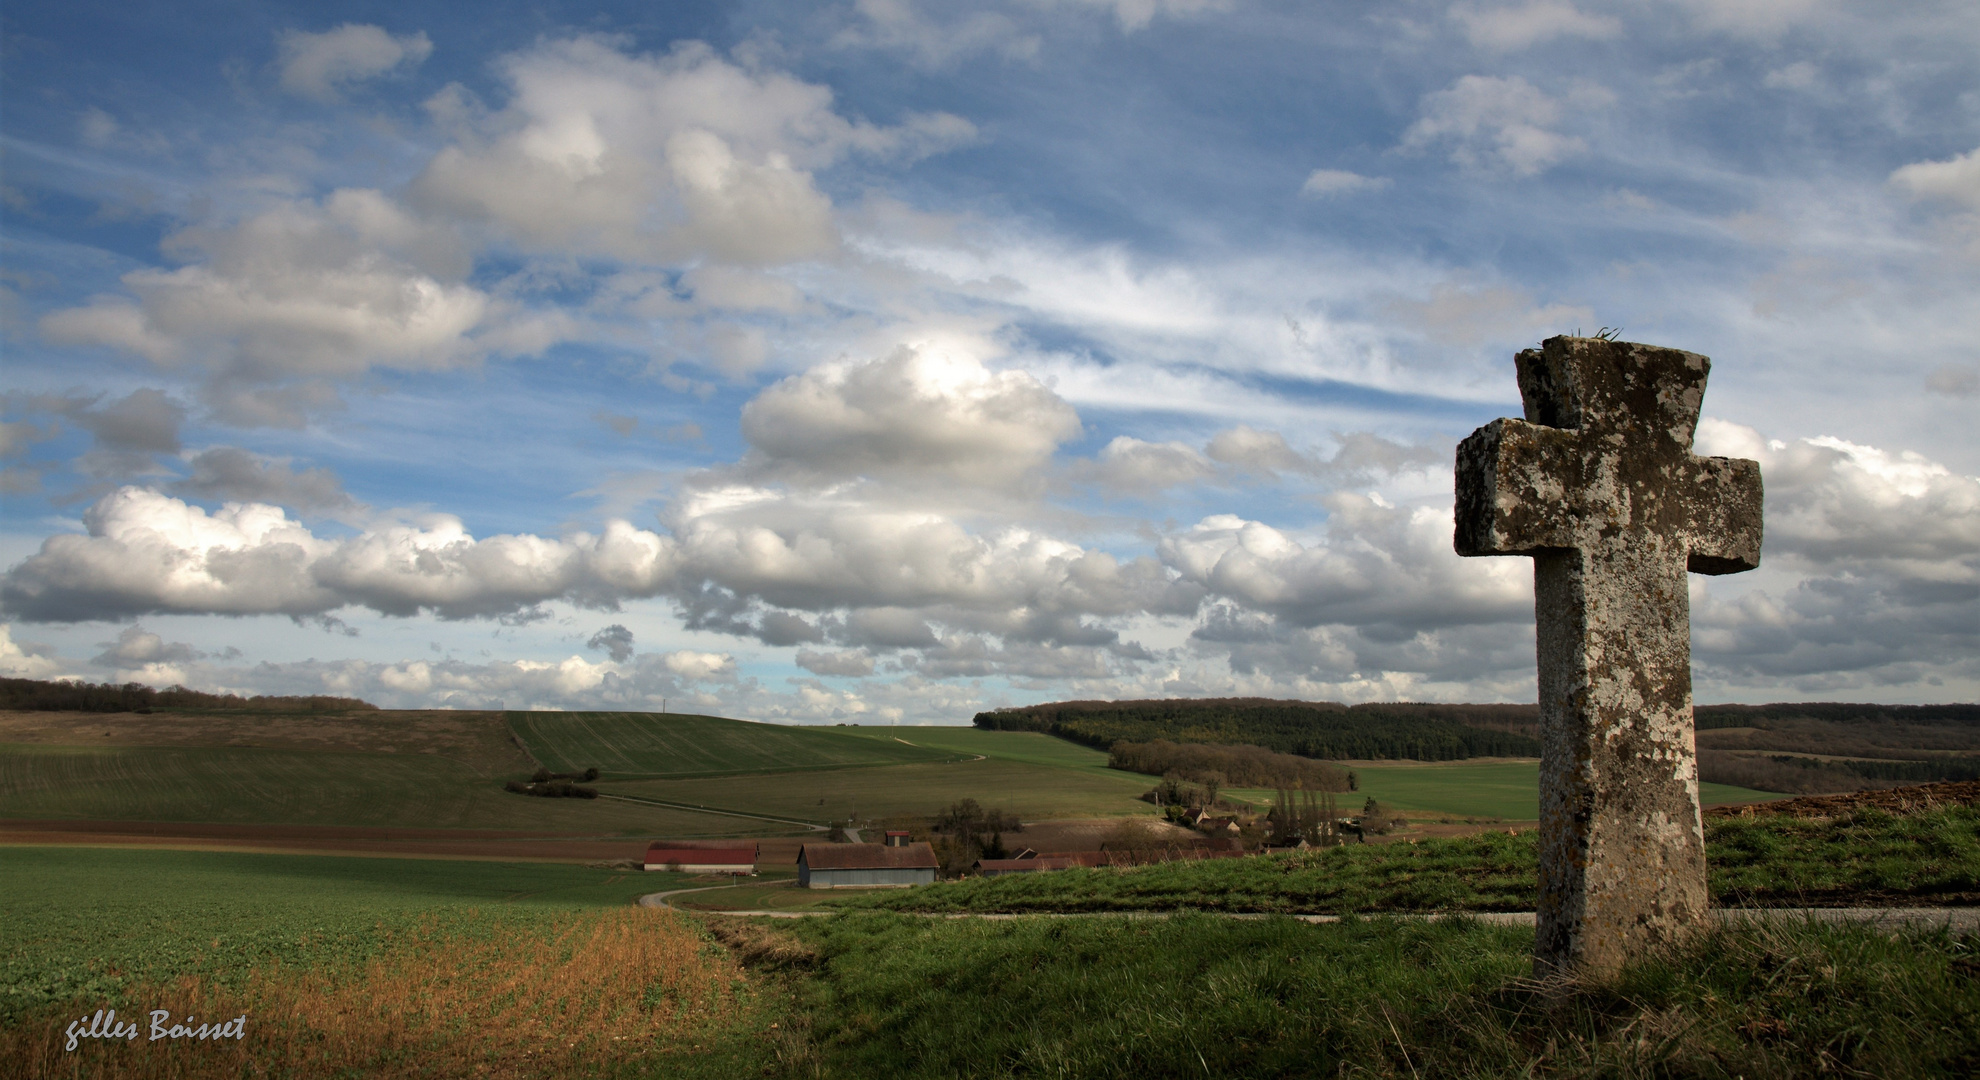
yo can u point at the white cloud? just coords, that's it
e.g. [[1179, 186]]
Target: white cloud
[[1494, 124], [1322, 183], [1377, 565], [1458, 314], [304, 290], [659, 157], [1870, 568], [1955, 180], [25, 662], [145, 552], [921, 413], [1512, 27], [1247, 448], [319, 65], [1128, 464]]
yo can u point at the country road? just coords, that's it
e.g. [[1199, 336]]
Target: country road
[[1963, 919]]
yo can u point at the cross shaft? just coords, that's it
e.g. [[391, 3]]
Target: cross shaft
[[1599, 485]]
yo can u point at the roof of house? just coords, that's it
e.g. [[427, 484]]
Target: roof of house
[[916, 856], [700, 855]]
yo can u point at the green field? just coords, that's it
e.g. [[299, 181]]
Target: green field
[[680, 745], [1026, 746], [1033, 792], [89, 921], [1506, 790], [245, 785]]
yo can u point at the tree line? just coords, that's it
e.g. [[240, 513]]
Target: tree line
[[35, 695], [1311, 729], [1228, 766]]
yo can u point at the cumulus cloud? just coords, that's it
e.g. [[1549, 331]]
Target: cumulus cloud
[[1128, 464], [1955, 180], [232, 474], [304, 290], [1494, 125], [917, 414], [657, 157], [616, 640], [1511, 27], [136, 647], [319, 65], [1376, 566], [145, 552], [26, 660], [1321, 183], [1873, 568]]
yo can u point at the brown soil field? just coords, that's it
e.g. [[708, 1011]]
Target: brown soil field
[[480, 740], [1902, 800]]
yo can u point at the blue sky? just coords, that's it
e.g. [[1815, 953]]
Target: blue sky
[[893, 360]]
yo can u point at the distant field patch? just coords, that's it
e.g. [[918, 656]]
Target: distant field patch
[[302, 787], [1031, 791], [1027, 746], [680, 745], [1508, 790]]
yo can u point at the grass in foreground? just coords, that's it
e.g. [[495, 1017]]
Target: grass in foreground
[[1870, 856], [373, 967], [1197, 996]]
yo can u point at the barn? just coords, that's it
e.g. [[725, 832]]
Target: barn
[[702, 860], [841, 866]]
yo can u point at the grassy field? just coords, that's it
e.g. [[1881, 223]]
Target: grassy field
[[679, 745], [302, 787], [1869, 856], [1125, 999], [362, 967], [398, 968], [1030, 791], [1027, 746], [1507, 790]]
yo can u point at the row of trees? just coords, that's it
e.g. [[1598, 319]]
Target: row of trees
[[37, 695], [1215, 766], [1324, 730]]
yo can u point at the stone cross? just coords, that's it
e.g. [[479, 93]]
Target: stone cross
[[1599, 485]]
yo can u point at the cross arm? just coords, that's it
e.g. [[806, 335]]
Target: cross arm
[[1516, 487], [1725, 519]]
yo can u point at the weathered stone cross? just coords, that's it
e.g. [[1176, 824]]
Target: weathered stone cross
[[1600, 486]]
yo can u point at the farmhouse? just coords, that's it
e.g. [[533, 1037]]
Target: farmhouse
[[702, 860], [840, 866]]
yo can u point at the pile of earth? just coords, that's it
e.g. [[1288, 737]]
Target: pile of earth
[[1903, 800]]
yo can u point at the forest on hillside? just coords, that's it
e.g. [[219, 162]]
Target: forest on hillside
[[35, 695], [1326, 730]]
